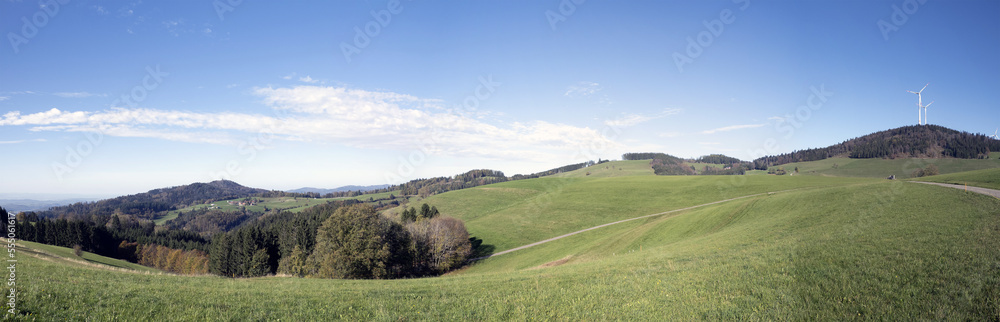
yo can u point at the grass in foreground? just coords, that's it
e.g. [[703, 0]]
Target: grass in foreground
[[887, 250]]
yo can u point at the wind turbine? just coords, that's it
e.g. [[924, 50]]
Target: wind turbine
[[995, 134], [925, 111], [919, 102]]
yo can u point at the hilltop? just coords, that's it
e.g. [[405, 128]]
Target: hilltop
[[147, 205], [323, 191], [915, 141]]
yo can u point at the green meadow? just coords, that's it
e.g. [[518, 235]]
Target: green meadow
[[882, 168], [824, 248]]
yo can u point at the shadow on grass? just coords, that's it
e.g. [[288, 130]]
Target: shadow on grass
[[480, 250]]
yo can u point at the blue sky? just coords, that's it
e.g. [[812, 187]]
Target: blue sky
[[109, 97]]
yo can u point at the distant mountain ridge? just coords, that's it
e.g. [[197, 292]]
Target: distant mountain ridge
[[323, 191], [915, 141], [19, 205], [147, 204]]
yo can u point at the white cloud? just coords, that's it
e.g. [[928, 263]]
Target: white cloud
[[633, 119], [582, 89], [733, 128], [21, 141], [289, 76], [77, 94], [308, 79], [232, 85], [4, 98], [351, 117]]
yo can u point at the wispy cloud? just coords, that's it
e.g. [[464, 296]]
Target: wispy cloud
[[289, 76], [733, 128], [351, 117], [582, 89], [633, 119], [308, 79], [21, 141], [4, 98], [78, 94]]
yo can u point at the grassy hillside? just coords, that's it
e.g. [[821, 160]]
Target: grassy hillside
[[66, 254], [987, 178], [515, 213], [881, 168], [866, 249], [611, 169]]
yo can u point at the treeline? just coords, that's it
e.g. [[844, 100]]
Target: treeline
[[719, 159], [915, 141], [342, 240], [189, 262], [207, 222], [175, 251]]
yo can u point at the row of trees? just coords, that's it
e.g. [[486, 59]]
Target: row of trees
[[86, 236], [189, 262]]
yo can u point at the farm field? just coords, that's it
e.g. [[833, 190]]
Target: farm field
[[837, 249], [882, 168]]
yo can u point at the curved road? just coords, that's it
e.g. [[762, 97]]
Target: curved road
[[621, 221], [986, 191]]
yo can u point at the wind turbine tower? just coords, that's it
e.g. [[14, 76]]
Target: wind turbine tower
[[920, 104]]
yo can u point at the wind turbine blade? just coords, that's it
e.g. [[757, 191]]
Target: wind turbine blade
[[925, 86], [928, 104]]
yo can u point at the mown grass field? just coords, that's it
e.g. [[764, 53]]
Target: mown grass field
[[844, 249], [881, 168], [987, 178], [515, 213], [610, 169]]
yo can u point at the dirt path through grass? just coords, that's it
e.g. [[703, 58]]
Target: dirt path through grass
[[625, 220], [986, 191]]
